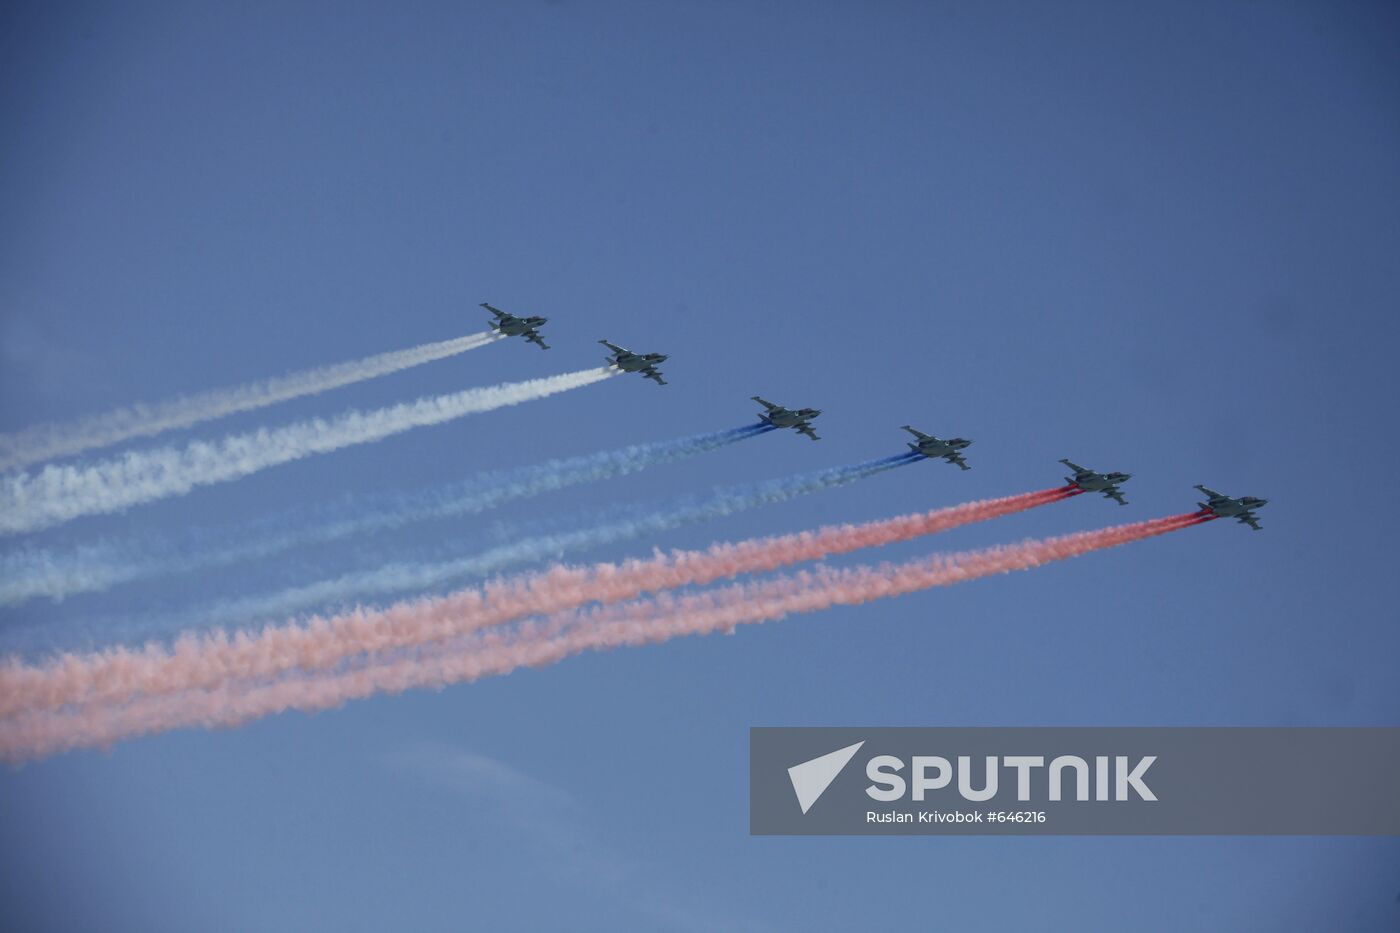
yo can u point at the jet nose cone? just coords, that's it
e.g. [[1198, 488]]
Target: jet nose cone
[[1263, 502], [661, 357]]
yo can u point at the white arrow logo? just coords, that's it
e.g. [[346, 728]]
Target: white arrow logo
[[811, 778]]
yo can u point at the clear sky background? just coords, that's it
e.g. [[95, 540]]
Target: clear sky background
[[1154, 237]]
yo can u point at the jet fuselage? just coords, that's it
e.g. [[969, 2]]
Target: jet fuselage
[[938, 447], [636, 362], [513, 326], [1090, 481], [1227, 507], [787, 418]]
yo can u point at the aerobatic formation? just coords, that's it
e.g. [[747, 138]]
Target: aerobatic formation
[[198, 674]]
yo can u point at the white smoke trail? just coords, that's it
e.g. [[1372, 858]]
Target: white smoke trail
[[40, 572], [406, 577], [49, 441], [60, 493]]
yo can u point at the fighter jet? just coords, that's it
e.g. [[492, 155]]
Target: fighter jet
[[1241, 509], [513, 326], [629, 362], [1089, 481], [799, 420], [932, 447]]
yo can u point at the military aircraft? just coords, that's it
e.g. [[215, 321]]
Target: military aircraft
[[629, 362], [1089, 481], [932, 447], [513, 326], [799, 419], [1224, 506]]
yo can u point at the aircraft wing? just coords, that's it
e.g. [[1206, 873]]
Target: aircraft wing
[[1116, 495], [535, 338], [958, 459], [919, 434], [500, 315], [1210, 492], [614, 347], [1074, 466], [764, 402], [807, 430], [654, 375], [1252, 520]]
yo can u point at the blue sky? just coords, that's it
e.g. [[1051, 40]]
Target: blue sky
[[1152, 237]]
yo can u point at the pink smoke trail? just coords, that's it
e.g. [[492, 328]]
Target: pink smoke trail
[[207, 659], [538, 643]]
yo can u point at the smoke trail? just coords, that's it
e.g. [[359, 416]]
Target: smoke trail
[[48, 441], [550, 640], [37, 572], [58, 494], [207, 659], [420, 577]]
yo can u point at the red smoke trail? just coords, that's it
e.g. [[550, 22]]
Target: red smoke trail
[[537, 643], [208, 659]]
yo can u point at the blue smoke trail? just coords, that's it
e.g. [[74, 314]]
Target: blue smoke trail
[[28, 573], [418, 578]]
